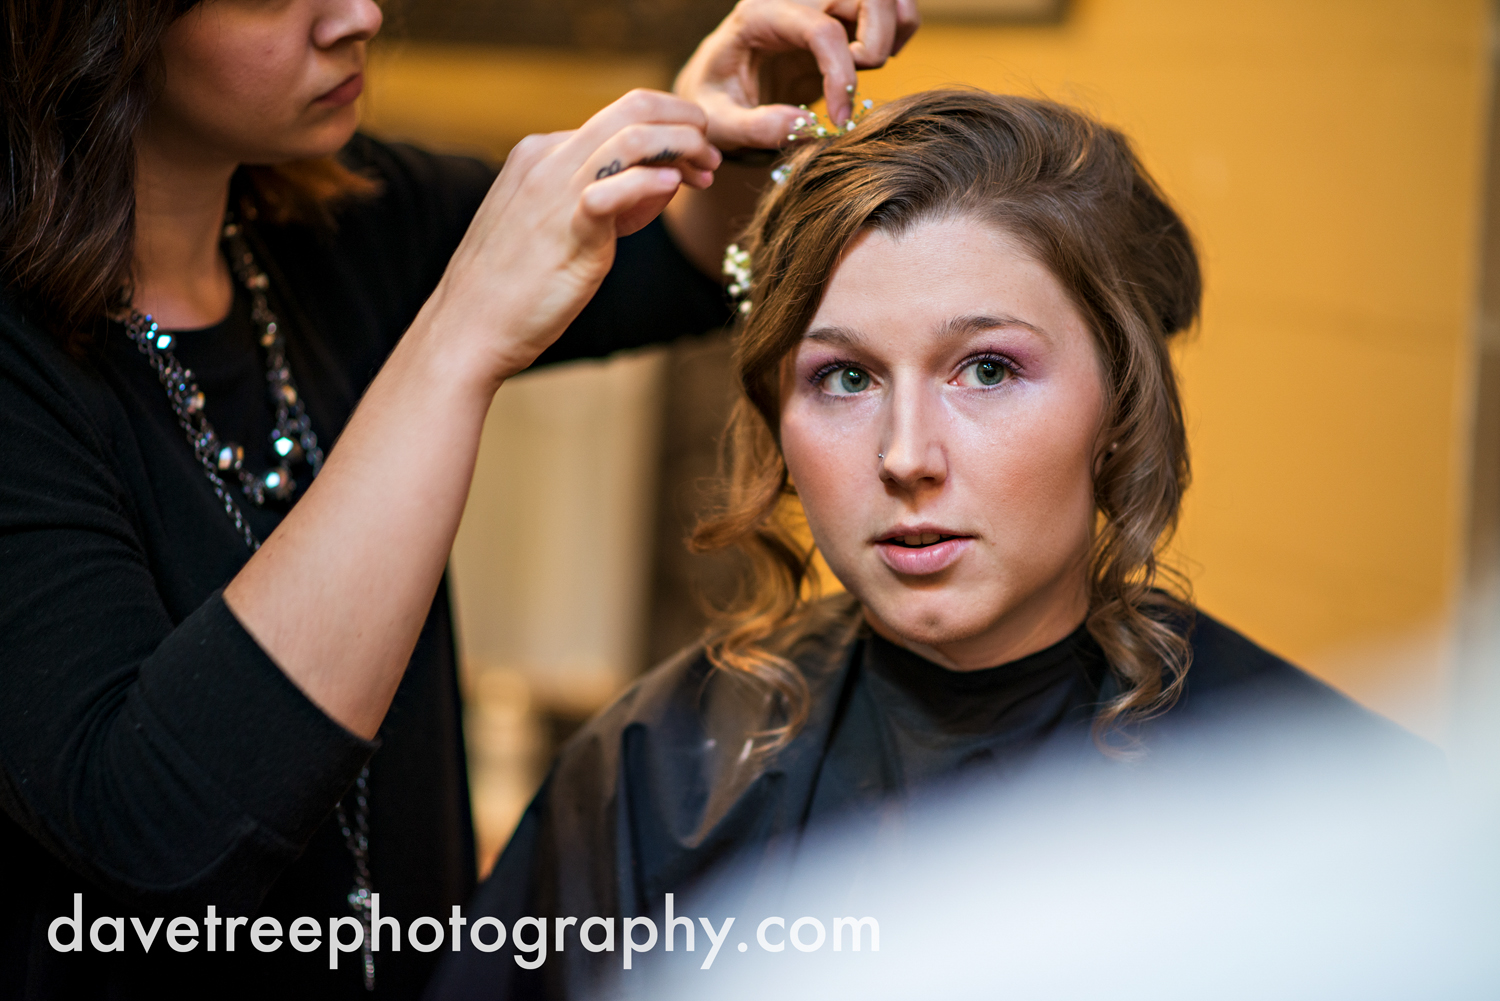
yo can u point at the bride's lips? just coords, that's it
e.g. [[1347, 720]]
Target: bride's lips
[[919, 559], [344, 92]]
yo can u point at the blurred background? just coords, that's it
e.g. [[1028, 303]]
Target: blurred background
[[1343, 390]]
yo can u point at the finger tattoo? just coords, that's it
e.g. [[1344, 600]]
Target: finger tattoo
[[665, 156], [614, 168]]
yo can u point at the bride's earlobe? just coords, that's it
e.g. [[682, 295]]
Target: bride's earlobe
[[1103, 456]]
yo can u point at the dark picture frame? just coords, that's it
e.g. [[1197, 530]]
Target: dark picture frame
[[669, 27]]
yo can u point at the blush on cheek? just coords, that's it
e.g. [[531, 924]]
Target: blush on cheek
[[821, 462]]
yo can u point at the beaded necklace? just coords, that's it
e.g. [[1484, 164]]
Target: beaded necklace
[[292, 442]]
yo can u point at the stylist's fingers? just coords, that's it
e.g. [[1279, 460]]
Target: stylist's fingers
[[523, 157], [526, 153], [651, 145], [908, 20], [765, 126], [639, 107], [874, 34], [882, 27], [795, 26], [620, 204], [544, 237]]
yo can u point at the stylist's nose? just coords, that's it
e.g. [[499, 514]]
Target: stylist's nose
[[345, 21], [914, 458]]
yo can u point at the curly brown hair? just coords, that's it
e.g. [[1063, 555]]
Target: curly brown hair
[[78, 80], [1073, 191]]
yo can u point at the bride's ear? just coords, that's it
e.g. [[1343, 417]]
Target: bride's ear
[[1103, 455]]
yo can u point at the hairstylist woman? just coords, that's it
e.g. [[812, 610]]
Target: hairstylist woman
[[228, 688]]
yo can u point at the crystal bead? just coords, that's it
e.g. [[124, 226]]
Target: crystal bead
[[289, 395], [271, 327], [232, 229], [163, 341], [194, 403], [283, 446], [278, 482], [259, 281], [230, 457], [267, 339]]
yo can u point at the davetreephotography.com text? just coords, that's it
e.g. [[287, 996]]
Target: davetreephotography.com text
[[531, 938]]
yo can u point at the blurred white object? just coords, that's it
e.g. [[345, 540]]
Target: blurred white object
[[1302, 873]]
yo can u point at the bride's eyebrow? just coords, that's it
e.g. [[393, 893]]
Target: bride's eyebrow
[[958, 326], [845, 336], [974, 323]]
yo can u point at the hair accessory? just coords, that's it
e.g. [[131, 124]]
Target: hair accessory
[[737, 269], [809, 125]]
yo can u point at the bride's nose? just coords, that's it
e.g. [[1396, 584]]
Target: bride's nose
[[913, 455]]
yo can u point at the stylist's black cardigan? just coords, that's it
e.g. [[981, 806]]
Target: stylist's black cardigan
[[152, 757]]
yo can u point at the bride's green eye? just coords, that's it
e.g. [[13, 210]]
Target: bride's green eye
[[989, 372], [984, 373], [853, 380]]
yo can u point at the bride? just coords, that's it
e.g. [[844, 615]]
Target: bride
[[955, 355]]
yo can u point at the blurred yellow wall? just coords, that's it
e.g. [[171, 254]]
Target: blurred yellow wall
[[484, 100], [1328, 155]]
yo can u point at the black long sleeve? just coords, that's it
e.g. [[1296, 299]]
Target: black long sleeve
[[152, 756], [133, 745]]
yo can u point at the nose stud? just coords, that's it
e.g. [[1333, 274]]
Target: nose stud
[[880, 456]]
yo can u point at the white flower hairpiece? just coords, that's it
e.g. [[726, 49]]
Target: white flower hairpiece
[[737, 269], [810, 126], [807, 126]]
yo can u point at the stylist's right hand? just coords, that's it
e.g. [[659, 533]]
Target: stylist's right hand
[[544, 238]]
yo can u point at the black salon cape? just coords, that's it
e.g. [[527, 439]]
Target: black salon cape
[[659, 790], [152, 757]]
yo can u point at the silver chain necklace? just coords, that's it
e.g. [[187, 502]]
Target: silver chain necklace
[[292, 441]]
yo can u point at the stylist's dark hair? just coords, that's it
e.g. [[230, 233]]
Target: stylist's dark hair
[[76, 80], [1073, 191]]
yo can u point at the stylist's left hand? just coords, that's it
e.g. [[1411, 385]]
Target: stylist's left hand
[[770, 55]]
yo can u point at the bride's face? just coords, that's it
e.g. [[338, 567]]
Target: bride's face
[[940, 421]]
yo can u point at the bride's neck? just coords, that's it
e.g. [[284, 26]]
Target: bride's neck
[[179, 276]]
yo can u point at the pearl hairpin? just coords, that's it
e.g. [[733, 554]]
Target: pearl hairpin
[[808, 126]]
